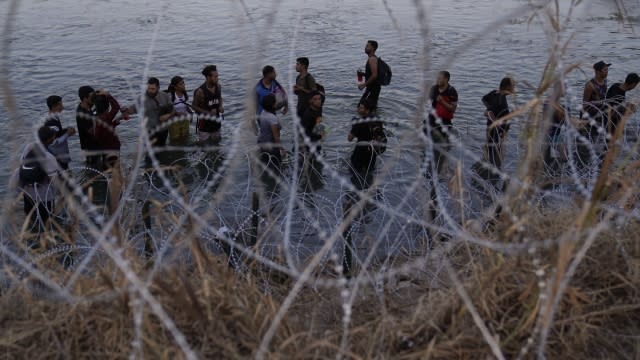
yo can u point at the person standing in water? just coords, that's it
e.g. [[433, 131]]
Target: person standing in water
[[269, 141], [305, 85], [179, 130], [158, 109], [269, 85], [35, 179], [60, 146], [497, 108], [616, 101], [85, 121], [593, 106], [371, 85], [444, 102], [208, 104]]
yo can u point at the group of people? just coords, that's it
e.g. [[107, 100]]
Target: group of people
[[168, 115]]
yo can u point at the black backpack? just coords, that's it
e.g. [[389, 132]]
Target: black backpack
[[384, 73], [31, 171]]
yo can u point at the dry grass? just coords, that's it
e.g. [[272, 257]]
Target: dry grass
[[223, 315]]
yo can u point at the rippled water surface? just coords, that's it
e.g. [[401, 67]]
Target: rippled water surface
[[58, 45]]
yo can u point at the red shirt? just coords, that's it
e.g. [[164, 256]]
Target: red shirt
[[105, 127], [450, 95]]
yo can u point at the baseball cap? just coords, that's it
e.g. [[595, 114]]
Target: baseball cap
[[600, 65]]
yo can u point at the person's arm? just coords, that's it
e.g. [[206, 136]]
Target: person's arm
[[451, 105], [285, 98], [114, 109], [373, 65], [486, 100], [172, 113], [221, 107], [196, 104], [275, 131], [350, 137], [586, 96], [311, 83]]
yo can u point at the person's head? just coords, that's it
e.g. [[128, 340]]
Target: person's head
[[177, 84], [315, 100], [364, 109], [46, 135], [269, 103], [443, 78], [210, 73], [632, 81], [101, 103], [602, 69], [371, 47], [302, 63], [507, 85], [86, 93], [269, 73], [153, 86], [54, 103]]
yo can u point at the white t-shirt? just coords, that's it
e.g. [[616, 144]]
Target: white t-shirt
[[179, 104], [42, 192]]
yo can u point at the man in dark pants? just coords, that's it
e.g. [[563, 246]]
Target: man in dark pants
[[371, 85], [362, 165], [304, 87], [497, 108], [616, 98], [34, 179], [60, 146], [85, 119], [593, 100]]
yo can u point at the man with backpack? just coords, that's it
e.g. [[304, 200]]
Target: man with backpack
[[34, 179], [377, 73]]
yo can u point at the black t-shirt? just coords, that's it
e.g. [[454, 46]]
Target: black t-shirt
[[84, 120], [497, 104], [309, 121], [369, 73], [616, 95], [362, 129]]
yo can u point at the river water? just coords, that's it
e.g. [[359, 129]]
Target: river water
[[58, 45]]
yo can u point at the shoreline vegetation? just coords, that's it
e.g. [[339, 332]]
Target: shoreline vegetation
[[526, 281]]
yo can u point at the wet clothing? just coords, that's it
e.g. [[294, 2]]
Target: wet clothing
[[450, 95], [595, 105], [105, 127], [371, 92], [275, 88], [306, 82], [60, 146], [364, 156], [210, 101], [39, 197], [85, 124], [616, 107], [154, 108], [266, 141], [179, 130], [555, 114], [309, 122], [497, 104]]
